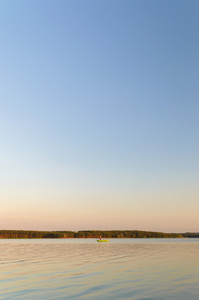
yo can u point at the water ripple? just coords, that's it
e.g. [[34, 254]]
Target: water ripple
[[84, 269]]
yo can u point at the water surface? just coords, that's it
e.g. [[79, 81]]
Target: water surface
[[156, 269]]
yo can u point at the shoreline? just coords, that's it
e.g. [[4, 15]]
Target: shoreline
[[92, 234]]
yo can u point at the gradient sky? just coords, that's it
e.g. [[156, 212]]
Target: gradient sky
[[99, 115]]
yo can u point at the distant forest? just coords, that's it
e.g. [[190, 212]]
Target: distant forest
[[24, 234]]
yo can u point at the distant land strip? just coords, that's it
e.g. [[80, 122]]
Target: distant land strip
[[29, 234]]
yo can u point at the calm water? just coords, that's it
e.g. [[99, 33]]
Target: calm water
[[85, 269]]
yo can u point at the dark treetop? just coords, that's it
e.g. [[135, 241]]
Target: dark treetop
[[24, 234]]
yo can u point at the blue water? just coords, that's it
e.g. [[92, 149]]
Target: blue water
[[84, 269]]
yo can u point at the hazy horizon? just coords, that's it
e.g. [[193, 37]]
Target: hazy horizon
[[99, 115]]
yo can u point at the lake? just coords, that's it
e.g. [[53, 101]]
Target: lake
[[84, 269]]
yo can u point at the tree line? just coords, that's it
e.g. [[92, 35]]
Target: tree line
[[191, 234], [29, 234]]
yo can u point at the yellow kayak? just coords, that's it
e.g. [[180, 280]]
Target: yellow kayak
[[102, 241]]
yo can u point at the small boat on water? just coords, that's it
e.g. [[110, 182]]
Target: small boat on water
[[102, 241]]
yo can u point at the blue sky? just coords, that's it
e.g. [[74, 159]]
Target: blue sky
[[99, 115]]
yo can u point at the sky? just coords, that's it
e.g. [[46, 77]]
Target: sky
[[99, 106]]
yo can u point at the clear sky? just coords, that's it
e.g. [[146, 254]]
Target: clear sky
[[99, 115]]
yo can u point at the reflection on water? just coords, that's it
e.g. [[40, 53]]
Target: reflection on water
[[85, 269]]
